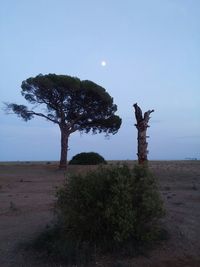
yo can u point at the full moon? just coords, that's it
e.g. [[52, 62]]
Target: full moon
[[103, 63]]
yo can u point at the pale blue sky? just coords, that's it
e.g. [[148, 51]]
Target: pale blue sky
[[152, 50]]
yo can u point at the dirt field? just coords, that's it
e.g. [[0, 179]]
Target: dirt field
[[26, 204]]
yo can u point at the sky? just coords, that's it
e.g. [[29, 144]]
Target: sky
[[152, 55]]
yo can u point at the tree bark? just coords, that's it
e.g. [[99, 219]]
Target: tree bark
[[64, 148], [142, 125]]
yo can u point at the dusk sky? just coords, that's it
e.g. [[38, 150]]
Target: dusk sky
[[152, 54]]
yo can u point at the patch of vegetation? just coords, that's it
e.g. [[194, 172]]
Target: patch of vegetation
[[87, 158], [114, 209]]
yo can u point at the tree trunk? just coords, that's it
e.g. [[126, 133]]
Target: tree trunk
[[142, 125], [64, 148], [142, 146]]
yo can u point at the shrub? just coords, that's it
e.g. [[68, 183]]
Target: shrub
[[89, 158], [110, 207]]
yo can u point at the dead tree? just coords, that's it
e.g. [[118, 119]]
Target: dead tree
[[142, 125]]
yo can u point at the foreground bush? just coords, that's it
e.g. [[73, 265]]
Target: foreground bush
[[110, 207], [87, 158], [113, 209]]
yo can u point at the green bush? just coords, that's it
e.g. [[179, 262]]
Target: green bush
[[87, 158], [110, 207]]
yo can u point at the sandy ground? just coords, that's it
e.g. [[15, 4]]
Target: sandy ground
[[27, 194]]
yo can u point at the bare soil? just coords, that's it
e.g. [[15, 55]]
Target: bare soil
[[27, 196]]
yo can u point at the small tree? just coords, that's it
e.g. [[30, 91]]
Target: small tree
[[72, 104], [142, 125]]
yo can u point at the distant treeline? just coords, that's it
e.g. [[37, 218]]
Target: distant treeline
[[191, 158]]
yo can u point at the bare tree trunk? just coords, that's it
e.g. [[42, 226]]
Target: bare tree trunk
[[142, 125], [64, 148]]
